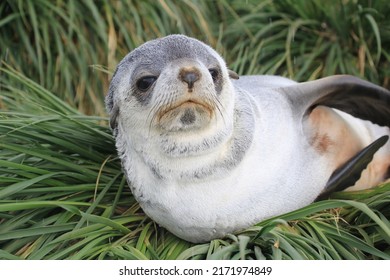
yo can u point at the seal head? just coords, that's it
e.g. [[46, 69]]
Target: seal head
[[175, 83]]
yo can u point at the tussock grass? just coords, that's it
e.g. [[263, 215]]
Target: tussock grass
[[63, 196], [309, 39], [71, 46]]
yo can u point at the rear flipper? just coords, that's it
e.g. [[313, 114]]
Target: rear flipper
[[349, 173]]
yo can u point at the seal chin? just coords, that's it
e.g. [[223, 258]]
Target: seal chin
[[187, 115]]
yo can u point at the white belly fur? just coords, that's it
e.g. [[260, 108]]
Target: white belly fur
[[272, 179]]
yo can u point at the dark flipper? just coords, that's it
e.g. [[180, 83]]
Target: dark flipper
[[352, 95], [348, 174]]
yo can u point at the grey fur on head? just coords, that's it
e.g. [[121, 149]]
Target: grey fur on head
[[156, 53]]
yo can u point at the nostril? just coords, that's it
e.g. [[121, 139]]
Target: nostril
[[189, 77]]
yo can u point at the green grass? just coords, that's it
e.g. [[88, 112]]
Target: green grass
[[62, 192]]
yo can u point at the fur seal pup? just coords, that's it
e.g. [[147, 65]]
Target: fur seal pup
[[207, 154]]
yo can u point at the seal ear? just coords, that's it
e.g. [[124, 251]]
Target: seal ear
[[233, 75]]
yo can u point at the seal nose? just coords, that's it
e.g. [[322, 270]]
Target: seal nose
[[189, 76]]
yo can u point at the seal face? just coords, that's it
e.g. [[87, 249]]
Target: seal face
[[205, 155], [177, 79]]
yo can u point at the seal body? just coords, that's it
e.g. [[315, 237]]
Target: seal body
[[206, 155]]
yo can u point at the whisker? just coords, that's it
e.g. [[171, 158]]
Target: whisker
[[215, 102], [161, 105], [218, 105], [152, 115]]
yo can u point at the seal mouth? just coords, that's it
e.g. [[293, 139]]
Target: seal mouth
[[189, 103], [185, 114]]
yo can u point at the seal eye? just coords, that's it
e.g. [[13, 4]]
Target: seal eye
[[214, 73], [144, 83]]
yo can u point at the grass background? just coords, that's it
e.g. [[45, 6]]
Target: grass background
[[62, 192]]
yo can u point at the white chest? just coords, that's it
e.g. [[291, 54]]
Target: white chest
[[270, 179]]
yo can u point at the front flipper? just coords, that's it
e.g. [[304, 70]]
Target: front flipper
[[359, 98], [339, 136], [350, 172]]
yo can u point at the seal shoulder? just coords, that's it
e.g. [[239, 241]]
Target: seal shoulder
[[253, 83]]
